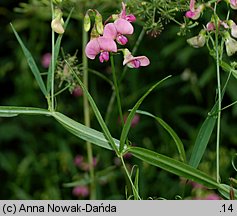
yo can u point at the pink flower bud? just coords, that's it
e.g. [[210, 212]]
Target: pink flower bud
[[210, 26], [46, 59], [77, 91]]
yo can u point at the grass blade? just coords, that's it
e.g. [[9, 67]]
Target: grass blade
[[131, 115], [172, 133], [56, 53], [31, 63], [203, 137], [173, 166]]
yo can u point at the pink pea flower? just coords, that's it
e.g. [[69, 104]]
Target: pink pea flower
[[233, 4], [46, 59], [101, 45], [129, 17], [134, 62], [80, 191], [194, 13], [117, 30]]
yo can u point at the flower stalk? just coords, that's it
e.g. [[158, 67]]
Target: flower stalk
[[86, 110], [219, 97]]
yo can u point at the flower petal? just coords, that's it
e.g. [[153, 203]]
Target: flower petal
[[92, 48], [110, 31], [143, 59], [107, 44], [123, 26]]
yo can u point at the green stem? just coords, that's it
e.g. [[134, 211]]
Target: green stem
[[86, 110], [130, 180], [110, 106], [52, 62], [219, 100], [116, 90]]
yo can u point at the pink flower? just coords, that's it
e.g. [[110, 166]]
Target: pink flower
[[210, 26], [45, 60], [134, 62], [78, 160], [233, 4], [80, 191], [129, 18], [77, 91], [101, 45], [194, 13], [212, 196], [117, 30]]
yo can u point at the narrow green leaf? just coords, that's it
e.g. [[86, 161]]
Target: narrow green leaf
[[172, 133], [56, 52], [136, 183], [31, 63], [83, 132], [203, 137], [131, 115], [12, 111], [174, 166], [97, 112]]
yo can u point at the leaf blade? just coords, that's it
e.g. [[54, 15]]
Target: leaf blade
[[174, 166], [12, 111], [84, 132], [31, 63], [203, 137]]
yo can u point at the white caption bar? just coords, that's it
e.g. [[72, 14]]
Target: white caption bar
[[121, 208]]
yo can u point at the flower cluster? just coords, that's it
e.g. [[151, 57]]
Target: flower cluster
[[104, 38], [227, 28]]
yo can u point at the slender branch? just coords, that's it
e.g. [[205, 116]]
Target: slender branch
[[86, 110], [219, 99], [117, 90], [129, 178], [52, 62]]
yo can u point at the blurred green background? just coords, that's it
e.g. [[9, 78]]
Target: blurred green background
[[37, 156]]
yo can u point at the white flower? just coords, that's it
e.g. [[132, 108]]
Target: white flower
[[230, 45]]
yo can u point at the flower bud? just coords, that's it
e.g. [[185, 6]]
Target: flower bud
[[99, 23], [233, 28], [230, 44], [57, 22], [87, 22], [210, 26], [198, 41], [57, 26]]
